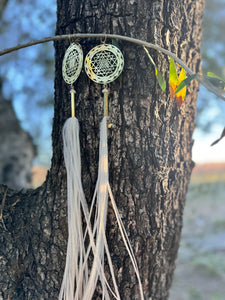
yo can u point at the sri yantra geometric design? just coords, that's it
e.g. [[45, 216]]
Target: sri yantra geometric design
[[72, 63], [104, 63]]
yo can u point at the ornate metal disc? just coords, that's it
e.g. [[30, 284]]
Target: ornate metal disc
[[72, 63], [104, 63]]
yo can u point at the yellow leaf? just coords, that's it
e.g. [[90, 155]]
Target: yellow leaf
[[180, 96], [173, 80]]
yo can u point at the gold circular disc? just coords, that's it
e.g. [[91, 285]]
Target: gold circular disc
[[104, 63], [72, 63]]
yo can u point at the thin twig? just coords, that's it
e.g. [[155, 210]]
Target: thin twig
[[114, 36], [2, 208]]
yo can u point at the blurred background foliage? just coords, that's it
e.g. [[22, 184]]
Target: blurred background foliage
[[210, 109], [27, 76]]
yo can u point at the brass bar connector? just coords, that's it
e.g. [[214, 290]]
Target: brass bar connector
[[72, 92], [106, 104]]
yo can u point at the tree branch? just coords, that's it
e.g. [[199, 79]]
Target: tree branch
[[200, 79]]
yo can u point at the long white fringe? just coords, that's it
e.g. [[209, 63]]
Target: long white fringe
[[101, 199], [79, 283], [102, 191], [76, 272]]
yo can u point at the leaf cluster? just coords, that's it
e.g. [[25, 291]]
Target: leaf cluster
[[178, 84]]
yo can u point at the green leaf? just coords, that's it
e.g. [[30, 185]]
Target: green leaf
[[185, 82], [211, 74], [215, 80], [159, 76], [161, 80]]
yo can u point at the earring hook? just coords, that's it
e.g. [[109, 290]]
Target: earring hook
[[103, 41]]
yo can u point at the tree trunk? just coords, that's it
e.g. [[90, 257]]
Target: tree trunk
[[149, 154]]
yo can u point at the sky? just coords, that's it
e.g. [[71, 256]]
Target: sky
[[23, 72], [212, 121], [202, 152]]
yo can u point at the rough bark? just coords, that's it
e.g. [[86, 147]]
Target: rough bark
[[149, 151]]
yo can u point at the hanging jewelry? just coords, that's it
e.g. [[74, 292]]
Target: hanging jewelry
[[76, 270], [103, 64]]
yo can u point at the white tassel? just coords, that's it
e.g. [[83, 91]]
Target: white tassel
[[76, 271], [101, 199], [78, 283], [102, 191]]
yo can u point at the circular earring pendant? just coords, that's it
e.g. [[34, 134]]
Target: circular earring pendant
[[104, 63], [72, 63]]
